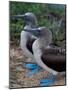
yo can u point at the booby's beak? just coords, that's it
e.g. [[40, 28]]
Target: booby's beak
[[35, 32], [17, 16]]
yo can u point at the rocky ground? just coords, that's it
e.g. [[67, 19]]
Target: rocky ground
[[18, 73]]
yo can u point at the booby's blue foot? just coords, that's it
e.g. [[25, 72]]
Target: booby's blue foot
[[31, 66], [34, 68], [48, 81], [32, 72]]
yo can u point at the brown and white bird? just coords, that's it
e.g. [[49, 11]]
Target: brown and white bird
[[50, 57]]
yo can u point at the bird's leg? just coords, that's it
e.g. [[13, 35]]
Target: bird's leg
[[30, 60]]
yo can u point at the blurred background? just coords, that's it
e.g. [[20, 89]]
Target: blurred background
[[52, 16]]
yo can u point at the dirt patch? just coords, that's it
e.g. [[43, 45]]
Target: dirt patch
[[18, 77]]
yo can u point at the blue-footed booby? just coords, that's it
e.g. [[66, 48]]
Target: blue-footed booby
[[49, 57], [27, 39]]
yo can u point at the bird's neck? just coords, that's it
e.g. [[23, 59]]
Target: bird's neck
[[30, 26], [44, 41], [34, 26]]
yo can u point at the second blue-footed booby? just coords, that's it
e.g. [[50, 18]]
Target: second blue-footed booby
[[50, 57], [27, 39]]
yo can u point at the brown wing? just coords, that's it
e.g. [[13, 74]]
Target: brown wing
[[54, 58], [29, 44]]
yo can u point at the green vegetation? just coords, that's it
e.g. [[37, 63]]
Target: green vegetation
[[51, 16]]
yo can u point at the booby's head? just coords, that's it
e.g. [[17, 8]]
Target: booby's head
[[41, 32], [29, 18]]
